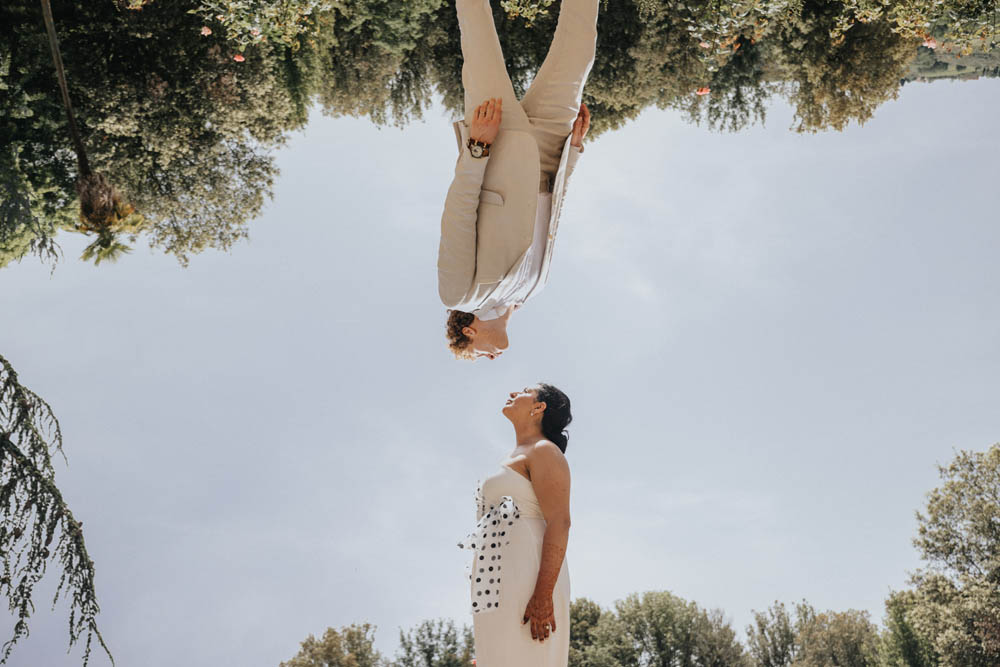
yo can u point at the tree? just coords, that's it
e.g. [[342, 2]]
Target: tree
[[102, 209], [351, 646], [901, 644], [846, 638], [658, 628], [953, 611], [254, 22], [584, 615], [603, 642], [33, 513], [182, 108], [959, 534], [964, 26], [772, 638], [27, 225], [165, 112], [960, 618], [435, 644], [374, 59], [832, 82], [739, 91]]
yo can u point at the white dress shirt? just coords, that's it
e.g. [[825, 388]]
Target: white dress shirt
[[518, 286]]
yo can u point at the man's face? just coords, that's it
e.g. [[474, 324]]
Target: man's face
[[487, 351], [489, 338]]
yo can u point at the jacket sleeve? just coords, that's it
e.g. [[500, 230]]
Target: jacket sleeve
[[457, 249]]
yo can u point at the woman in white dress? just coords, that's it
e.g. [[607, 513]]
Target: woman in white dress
[[519, 577]]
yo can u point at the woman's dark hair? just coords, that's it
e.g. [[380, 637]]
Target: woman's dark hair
[[557, 415]]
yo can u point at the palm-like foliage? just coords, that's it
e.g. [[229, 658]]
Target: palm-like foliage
[[104, 213], [107, 248], [102, 210]]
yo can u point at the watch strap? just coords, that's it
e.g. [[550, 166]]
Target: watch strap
[[482, 144]]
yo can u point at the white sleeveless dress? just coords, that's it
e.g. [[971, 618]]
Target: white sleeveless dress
[[507, 549]]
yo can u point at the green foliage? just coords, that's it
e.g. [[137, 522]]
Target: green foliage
[[435, 644], [181, 106], [351, 646], [953, 611], [36, 524], [255, 22], [27, 224], [183, 130], [902, 645], [658, 628], [960, 618], [959, 534], [813, 639], [374, 59], [962, 26], [529, 10], [771, 639], [835, 62], [835, 83], [846, 638], [106, 248], [951, 617], [584, 615], [931, 64]]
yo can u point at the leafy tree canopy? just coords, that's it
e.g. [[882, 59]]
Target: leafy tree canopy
[[181, 105]]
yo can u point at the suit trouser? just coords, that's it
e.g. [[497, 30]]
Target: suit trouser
[[552, 102]]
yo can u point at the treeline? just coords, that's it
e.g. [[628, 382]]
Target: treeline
[[948, 616], [181, 105]]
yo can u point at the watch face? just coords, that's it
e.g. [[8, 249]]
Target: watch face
[[477, 150]]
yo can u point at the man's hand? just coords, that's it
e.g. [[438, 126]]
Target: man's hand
[[580, 126], [541, 615], [486, 121]]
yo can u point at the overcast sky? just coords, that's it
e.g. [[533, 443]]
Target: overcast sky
[[769, 341]]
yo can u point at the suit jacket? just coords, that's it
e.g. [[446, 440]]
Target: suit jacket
[[489, 215]]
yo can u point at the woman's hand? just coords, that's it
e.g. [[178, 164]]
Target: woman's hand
[[539, 612], [580, 126], [486, 120]]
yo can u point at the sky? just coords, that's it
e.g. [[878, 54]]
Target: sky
[[770, 340]]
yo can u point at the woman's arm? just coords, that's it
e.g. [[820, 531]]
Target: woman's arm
[[550, 477]]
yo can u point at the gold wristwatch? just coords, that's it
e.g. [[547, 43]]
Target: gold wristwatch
[[479, 148]]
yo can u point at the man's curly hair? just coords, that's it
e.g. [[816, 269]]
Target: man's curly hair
[[458, 342]]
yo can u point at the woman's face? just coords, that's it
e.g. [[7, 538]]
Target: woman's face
[[519, 404]]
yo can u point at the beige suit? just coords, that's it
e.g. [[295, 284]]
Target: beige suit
[[490, 209]]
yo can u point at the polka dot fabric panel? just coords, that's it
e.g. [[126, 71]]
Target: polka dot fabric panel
[[487, 543]]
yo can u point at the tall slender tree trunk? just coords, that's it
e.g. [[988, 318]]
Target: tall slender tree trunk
[[50, 27]]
